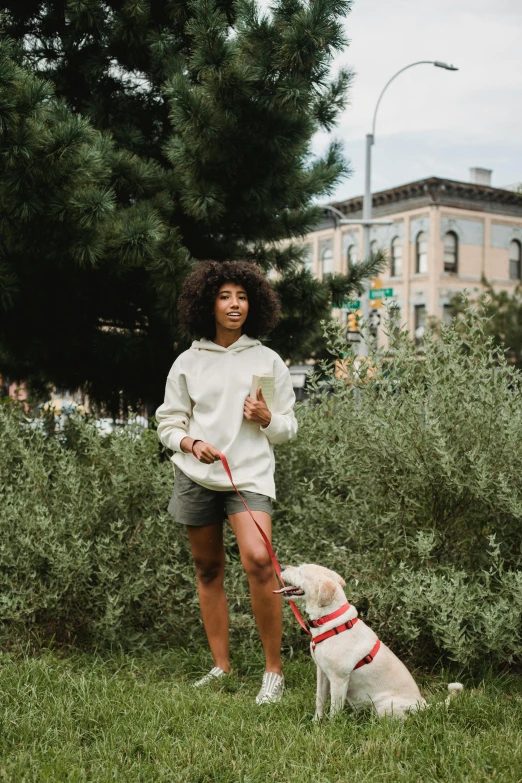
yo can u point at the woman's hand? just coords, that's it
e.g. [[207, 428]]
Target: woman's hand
[[257, 411], [202, 451]]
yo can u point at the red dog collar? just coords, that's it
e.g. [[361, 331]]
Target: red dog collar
[[328, 617]]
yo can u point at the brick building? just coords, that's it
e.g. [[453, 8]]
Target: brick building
[[445, 235]]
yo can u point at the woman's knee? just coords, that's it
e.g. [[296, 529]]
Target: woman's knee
[[258, 566], [209, 571]]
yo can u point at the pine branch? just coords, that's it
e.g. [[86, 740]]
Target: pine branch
[[343, 286], [333, 99]]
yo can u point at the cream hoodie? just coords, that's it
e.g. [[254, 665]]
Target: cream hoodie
[[206, 390]]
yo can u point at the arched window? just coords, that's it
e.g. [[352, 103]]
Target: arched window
[[396, 257], [448, 314], [308, 256], [451, 252], [421, 253], [419, 321], [327, 261], [395, 321], [374, 247], [515, 259], [353, 256]]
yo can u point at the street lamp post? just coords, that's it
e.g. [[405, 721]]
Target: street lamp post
[[367, 200]]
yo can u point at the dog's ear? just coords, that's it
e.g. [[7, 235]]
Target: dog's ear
[[326, 592], [337, 578]]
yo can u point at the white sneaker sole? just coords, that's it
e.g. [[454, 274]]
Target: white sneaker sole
[[272, 688], [214, 674]]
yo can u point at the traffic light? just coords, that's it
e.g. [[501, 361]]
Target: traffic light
[[374, 321], [351, 321]]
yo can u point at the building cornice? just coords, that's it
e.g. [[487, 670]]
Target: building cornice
[[436, 191]]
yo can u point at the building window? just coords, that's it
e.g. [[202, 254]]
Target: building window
[[326, 256], [327, 261], [448, 314], [308, 256], [395, 321], [374, 247], [451, 252], [422, 253], [353, 256], [515, 259], [420, 322], [396, 258]]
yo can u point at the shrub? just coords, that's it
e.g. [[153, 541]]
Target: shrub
[[405, 478], [87, 553]]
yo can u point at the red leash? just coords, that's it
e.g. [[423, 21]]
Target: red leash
[[273, 558], [277, 568]]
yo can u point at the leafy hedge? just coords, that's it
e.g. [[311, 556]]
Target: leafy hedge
[[87, 550], [405, 477]]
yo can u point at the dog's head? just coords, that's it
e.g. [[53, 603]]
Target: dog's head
[[320, 587]]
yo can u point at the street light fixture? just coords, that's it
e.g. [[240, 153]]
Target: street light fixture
[[370, 140], [367, 221], [341, 220], [436, 63]]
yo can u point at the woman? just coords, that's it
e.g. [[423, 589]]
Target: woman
[[208, 409]]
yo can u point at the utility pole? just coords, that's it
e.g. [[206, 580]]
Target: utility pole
[[367, 221]]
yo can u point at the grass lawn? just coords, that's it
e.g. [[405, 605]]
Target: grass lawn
[[122, 718]]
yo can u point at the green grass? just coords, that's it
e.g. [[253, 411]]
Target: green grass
[[123, 718]]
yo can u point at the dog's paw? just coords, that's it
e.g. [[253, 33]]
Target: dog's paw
[[317, 718]]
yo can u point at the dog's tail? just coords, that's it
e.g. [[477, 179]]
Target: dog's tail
[[454, 690]]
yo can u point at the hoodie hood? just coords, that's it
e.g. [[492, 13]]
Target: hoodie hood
[[242, 344]]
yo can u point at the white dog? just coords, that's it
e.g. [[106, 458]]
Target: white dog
[[352, 664]]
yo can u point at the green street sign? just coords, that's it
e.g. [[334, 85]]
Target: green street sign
[[351, 304], [380, 293]]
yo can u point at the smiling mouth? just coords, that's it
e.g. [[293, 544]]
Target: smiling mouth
[[289, 590]]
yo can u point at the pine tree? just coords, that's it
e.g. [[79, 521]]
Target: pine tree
[[67, 245], [199, 117]]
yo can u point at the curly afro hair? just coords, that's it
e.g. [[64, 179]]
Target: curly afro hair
[[201, 287]]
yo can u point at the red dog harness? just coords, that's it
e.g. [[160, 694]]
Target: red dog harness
[[371, 655], [347, 626]]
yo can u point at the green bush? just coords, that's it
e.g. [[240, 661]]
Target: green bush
[[405, 478], [87, 551]]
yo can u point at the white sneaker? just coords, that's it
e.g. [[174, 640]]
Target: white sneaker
[[272, 688], [214, 674]]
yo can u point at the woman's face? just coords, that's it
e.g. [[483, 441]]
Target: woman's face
[[231, 306]]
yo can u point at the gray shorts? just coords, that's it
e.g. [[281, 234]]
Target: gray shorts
[[194, 505]]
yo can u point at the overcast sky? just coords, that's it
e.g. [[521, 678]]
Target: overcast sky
[[433, 122]]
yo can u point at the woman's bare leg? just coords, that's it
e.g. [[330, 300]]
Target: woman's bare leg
[[209, 558], [266, 606]]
